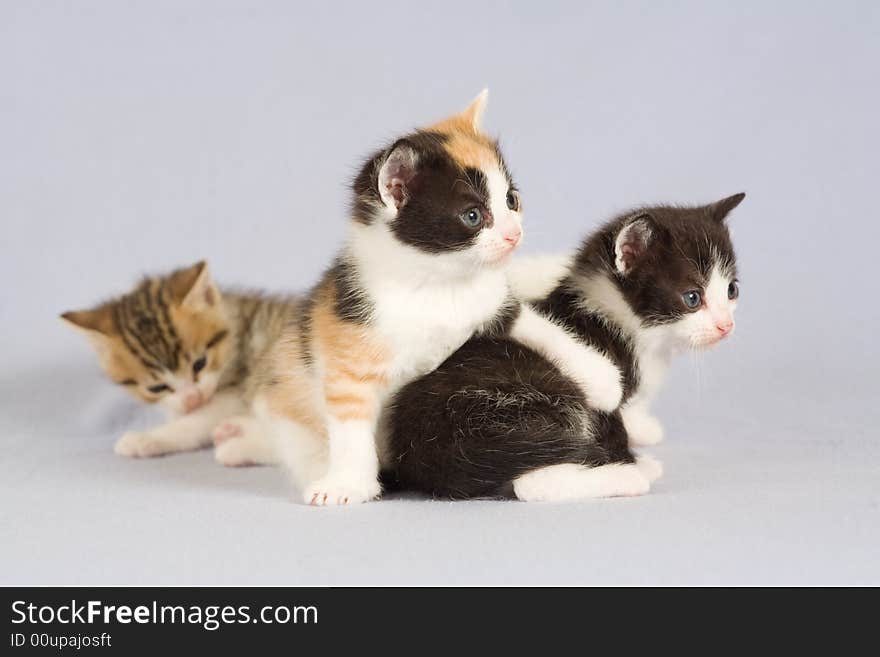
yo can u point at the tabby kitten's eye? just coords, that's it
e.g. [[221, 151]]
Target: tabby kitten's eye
[[199, 365], [733, 290], [159, 387], [472, 218], [692, 299], [513, 199]]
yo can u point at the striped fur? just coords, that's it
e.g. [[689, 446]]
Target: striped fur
[[178, 341]]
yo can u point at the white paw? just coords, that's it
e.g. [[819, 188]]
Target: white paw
[[602, 384], [226, 430], [138, 444], [235, 452], [337, 489], [650, 467], [643, 429]]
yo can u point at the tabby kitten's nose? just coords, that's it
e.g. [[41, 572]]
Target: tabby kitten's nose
[[192, 401]]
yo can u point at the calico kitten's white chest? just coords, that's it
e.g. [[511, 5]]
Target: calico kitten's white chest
[[425, 324]]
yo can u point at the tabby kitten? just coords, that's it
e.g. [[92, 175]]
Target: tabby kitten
[[498, 419], [435, 217], [177, 341]]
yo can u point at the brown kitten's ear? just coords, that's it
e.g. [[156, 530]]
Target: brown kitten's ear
[[397, 175], [632, 242], [97, 321], [193, 287], [720, 209]]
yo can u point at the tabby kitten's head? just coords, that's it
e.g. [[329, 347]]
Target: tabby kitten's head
[[444, 193], [166, 341]]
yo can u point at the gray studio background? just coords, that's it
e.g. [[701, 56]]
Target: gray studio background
[[139, 136]]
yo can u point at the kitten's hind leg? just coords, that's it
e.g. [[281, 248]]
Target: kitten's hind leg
[[241, 441], [569, 481]]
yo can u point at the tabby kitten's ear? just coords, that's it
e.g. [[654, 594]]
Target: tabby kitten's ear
[[193, 288], [632, 242], [97, 322], [720, 209]]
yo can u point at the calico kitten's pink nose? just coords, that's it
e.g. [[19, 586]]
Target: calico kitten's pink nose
[[513, 237]]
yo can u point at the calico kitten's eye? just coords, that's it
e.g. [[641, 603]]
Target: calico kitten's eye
[[472, 218], [733, 290], [692, 299], [513, 199], [159, 387], [199, 365]]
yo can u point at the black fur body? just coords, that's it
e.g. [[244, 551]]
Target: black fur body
[[496, 410]]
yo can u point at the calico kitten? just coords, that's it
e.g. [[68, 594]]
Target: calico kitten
[[434, 219], [497, 418], [177, 341]]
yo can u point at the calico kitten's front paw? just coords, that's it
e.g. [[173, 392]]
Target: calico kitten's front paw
[[643, 429], [602, 385], [137, 444], [336, 489]]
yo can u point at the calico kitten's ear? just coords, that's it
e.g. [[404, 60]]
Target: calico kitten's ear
[[720, 209], [193, 287], [96, 322], [468, 120], [632, 242], [473, 113], [397, 175]]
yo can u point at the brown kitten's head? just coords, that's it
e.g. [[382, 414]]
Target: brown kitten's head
[[444, 192], [673, 269], [166, 341]]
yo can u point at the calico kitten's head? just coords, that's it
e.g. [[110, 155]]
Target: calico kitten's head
[[676, 269], [166, 341], [443, 192]]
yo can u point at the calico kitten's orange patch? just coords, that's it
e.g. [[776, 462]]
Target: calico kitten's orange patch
[[467, 145]]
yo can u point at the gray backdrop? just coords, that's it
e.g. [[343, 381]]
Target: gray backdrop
[[139, 136]]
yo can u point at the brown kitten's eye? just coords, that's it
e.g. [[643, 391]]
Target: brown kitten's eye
[[733, 290], [513, 199], [199, 365], [158, 388]]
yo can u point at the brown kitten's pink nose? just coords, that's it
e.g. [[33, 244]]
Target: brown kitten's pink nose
[[513, 237], [192, 401], [724, 327]]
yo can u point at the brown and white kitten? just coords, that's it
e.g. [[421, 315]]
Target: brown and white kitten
[[176, 340], [435, 217], [498, 419]]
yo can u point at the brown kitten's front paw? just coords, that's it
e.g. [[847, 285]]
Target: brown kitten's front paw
[[137, 444], [643, 429]]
